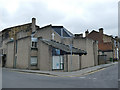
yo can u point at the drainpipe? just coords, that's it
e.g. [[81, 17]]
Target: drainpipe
[[71, 57], [80, 58], [61, 35]]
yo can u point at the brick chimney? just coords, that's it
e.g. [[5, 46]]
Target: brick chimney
[[101, 30], [33, 24], [101, 34], [86, 33]]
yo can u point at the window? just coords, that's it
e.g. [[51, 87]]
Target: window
[[34, 61], [34, 43], [117, 53], [118, 44], [56, 52], [114, 43]]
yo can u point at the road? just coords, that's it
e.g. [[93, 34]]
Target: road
[[107, 78]]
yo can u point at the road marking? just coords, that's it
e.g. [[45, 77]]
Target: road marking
[[82, 77], [94, 71], [34, 73], [87, 73]]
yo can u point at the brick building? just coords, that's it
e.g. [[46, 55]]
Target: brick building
[[107, 45]]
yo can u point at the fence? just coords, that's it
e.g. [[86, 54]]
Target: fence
[[102, 59]]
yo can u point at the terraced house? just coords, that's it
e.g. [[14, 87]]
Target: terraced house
[[108, 46], [48, 48]]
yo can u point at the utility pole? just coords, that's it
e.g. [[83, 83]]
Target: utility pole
[[71, 45], [71, 57]]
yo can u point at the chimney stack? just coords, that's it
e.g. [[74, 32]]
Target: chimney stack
[[86, 33], [33, 24], [101, 34], [101, 30]]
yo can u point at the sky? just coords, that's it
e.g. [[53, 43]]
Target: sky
[[75, 15]]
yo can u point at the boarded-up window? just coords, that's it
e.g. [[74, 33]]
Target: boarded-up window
[[34, 61]]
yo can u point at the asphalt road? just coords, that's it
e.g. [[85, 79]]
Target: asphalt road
[[105, 78]]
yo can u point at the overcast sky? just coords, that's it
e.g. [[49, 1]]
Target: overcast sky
[[75, 15]]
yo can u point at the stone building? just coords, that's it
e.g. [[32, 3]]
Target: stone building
[[0, 49], [47, 48]]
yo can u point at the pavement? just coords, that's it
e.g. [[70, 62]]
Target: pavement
[[79, 73]]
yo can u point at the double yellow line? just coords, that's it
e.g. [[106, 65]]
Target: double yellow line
[[63, 76]]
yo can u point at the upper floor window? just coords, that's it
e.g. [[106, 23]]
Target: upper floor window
[[55, 52], [115, 43], [34, 45], [118, 44], [34, 42]]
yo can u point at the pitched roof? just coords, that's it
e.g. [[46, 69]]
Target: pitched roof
[[102, 46], [15, 27], [105, 46], [27, 24], [94, 35], [64, 47]]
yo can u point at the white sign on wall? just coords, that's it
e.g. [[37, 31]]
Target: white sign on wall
[[57, 62]]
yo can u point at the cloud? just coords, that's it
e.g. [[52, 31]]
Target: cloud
[[27, 10], [75, 15]]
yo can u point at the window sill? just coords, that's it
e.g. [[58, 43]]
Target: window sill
[[34, 48]]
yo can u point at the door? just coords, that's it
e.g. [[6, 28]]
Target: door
[[15, 61]]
